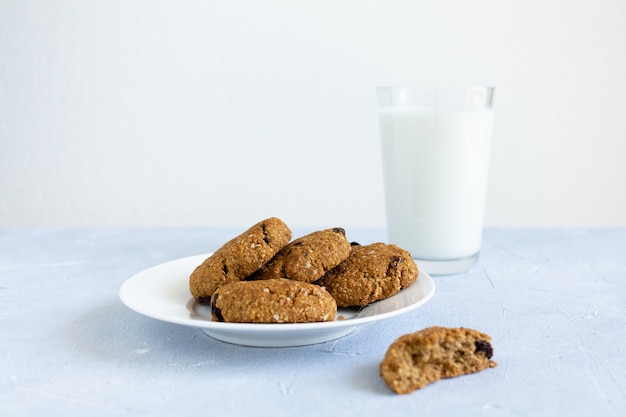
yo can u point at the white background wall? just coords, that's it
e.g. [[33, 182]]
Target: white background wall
[[225, 112]]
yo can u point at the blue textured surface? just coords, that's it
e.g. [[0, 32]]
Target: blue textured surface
[[554, 301]]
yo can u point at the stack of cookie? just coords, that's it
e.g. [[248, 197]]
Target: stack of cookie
[[261, 276]]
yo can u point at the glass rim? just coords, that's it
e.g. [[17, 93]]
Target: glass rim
[[460, 98], [417, 88]]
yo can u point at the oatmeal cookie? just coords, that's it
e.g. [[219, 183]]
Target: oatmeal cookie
[[272, 301], [417, 359], [370, 273], [239, 257], [307, 258]]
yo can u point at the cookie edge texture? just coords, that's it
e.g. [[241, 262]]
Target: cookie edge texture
[[276, 301], [239, 257], [354, 283], [308, 257]]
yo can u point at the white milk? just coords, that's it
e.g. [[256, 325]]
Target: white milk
[[435, 169]]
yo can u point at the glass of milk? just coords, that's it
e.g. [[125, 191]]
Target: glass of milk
[[435, 147]]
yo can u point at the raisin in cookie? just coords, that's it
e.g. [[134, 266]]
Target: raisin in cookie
[[239, 257], [272, 301], [307, 258], [370, 273], [417, 359]]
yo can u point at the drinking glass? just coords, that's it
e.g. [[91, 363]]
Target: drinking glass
[[435, 149]]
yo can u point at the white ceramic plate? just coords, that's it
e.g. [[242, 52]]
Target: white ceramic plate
[[162, 292]]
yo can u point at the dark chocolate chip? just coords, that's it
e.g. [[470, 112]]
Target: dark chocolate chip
[[392, 268], [204, 300], [395, 260], [339, 230], [355, 244], [266, 238], [217, 312], [485, 347]]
